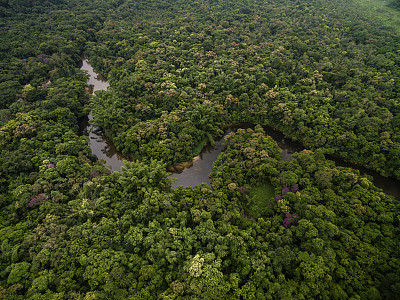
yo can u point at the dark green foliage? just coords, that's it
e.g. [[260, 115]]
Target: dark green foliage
[[314, 79], [8, 91], [325, 73]]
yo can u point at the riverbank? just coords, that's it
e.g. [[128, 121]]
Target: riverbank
[[197, 170]]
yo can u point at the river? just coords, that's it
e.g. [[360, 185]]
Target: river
[[100, 145], [197, 172]]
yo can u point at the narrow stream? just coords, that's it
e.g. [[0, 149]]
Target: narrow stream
[[197, 172], [100, 145]]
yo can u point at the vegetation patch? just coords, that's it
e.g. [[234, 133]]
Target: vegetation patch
[[261, 200], [200, 146]]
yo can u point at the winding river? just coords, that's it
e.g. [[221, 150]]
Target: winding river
[[196, 172], [100, 145]]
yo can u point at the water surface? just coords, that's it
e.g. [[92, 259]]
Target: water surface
[[197, 172], [201, 168], [100, 145]]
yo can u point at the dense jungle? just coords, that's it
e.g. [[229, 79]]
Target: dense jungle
[[326, 74]]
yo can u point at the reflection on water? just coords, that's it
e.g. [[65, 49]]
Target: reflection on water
[[201, 168], [389, 185], [288, 147], [100, 145], [199, 171], [98, 82]]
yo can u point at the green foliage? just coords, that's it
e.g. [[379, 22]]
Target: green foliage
[[322, 88], [247, 161], [8, 91], [19, 273], [324, 73], [261, 200]]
